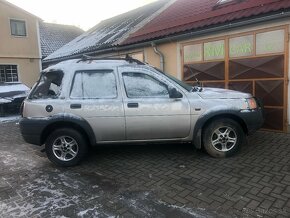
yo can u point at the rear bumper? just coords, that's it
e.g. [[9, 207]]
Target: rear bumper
[[32, 129]]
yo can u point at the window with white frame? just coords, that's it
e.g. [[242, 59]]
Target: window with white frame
[[8, 73], [18, 27]]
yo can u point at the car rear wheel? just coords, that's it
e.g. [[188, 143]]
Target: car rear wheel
[[223, 138], [66, 147]]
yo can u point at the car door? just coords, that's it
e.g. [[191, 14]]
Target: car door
[[95, 96], [149, 112]]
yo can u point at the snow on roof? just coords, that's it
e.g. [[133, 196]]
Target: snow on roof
[[108, 33], [9, 91], [9, 87], [54, 36], [78, 64]]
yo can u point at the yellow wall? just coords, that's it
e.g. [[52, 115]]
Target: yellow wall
[[21, 51], [169, 51], [28, 69], [12, 46]]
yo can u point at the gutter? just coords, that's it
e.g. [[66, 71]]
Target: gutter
[[180, 36]]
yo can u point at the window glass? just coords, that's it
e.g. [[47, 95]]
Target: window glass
[[18, 27], [193, 53], [94, 84], [270, 42], [139, 85], [214, 50], [8, 73], [242, 46], [49, 86]]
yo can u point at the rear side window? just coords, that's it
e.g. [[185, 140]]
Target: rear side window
[[94, 84]]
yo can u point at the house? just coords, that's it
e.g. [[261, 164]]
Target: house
[[236, 44], [54, 36], [20, 55]]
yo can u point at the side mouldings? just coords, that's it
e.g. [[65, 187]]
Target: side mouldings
[[71, 118], [197, 132]]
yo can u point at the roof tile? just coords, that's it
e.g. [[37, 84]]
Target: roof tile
[[54, 36], [184, 15]]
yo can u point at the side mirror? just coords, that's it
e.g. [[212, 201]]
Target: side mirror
[[173, 93]]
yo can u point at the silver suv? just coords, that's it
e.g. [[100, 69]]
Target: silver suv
[[81, 103]]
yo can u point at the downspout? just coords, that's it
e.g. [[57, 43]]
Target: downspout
[[160, 55]]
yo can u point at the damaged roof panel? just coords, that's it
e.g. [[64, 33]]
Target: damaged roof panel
[[110, 32]]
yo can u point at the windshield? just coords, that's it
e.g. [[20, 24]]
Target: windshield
[[179, 82], [48, 86]]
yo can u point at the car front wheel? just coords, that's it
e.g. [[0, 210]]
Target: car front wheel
[[66, 147], [223, 138]]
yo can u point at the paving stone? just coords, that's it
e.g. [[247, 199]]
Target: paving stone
[[169, 180]]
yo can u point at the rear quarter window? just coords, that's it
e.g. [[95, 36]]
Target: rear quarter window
[[49, 86]]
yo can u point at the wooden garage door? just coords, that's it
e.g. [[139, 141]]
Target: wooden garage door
[[254, 62]]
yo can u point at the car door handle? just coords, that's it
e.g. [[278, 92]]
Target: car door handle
[[133, 105], [75, 106]]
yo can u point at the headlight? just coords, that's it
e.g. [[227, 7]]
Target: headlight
[[250, 104]]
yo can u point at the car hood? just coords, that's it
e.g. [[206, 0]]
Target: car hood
[[215, 93]]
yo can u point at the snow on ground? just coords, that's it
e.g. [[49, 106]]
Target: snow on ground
[[9, 119]]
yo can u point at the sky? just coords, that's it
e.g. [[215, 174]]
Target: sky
[[82, 13]]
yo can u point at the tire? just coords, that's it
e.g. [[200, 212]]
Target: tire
[[223, 138], [66, 147]]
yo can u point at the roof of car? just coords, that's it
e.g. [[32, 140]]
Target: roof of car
[[81, 64]]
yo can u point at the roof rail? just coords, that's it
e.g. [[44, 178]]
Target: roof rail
[[128, 58]]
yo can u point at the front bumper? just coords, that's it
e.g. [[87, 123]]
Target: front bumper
[[254, 119]]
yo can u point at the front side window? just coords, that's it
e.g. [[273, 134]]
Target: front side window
[[8, 73], [18, 28], [138, 85], [94, 84]]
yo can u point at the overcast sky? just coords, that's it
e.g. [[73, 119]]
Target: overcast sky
[[82, 13]]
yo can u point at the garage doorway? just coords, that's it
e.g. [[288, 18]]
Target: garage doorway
[[253, 62]]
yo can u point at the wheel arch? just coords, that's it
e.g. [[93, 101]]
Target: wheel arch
[[204, 121], [69, 122]]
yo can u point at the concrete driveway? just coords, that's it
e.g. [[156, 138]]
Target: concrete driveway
[[146, 181]]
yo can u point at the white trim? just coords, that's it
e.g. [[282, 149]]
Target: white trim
[[178, 61], [145, 55], [221, 2], [17, 68], [39, 46]]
